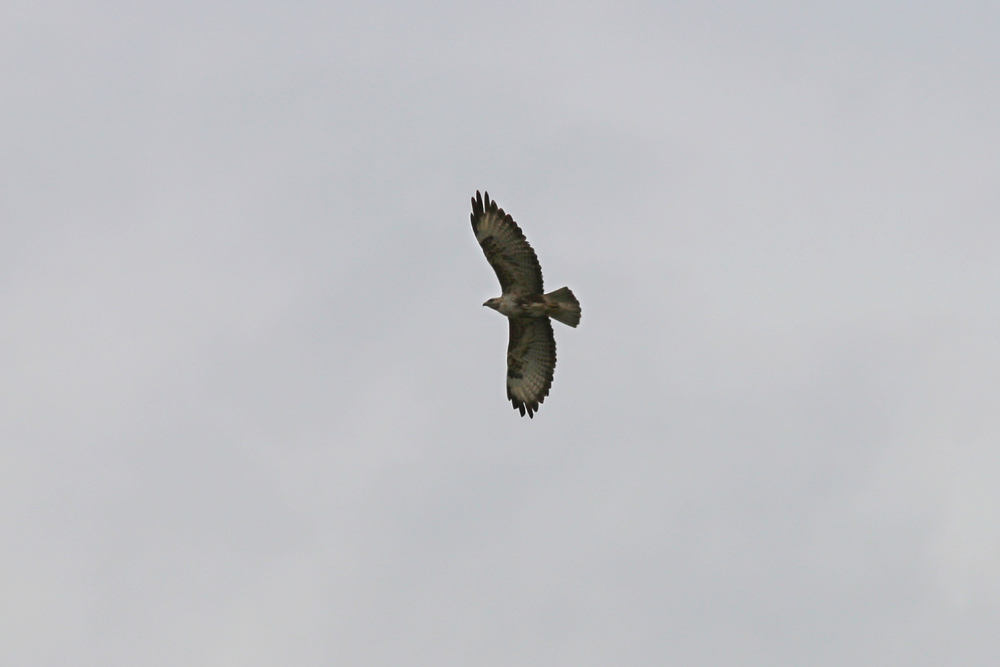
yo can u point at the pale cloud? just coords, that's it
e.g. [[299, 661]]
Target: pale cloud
[[253, 413]]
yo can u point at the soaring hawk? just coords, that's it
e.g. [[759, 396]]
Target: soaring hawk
[[531, 352]]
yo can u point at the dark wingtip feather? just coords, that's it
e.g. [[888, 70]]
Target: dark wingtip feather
[[477, 204], [524, 408], [491, 206]]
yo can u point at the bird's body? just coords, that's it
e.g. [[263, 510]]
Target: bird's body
[[519, 305], [531, 352]]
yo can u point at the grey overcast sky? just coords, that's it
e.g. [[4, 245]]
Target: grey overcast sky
[[252, 411]]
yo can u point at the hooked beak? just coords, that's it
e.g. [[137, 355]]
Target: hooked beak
[[486, 303]]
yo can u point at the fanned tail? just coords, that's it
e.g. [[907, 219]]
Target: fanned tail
[[563, 306]]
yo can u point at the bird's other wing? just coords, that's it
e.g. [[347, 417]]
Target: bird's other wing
[[531, 362], [505, 247]]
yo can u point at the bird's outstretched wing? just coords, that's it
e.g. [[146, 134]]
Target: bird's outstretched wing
[[531, 362], [505, 247]]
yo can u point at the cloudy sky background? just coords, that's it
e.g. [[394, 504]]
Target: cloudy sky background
[[253, 413]]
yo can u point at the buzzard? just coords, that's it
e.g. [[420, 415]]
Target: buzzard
[[531, 352]]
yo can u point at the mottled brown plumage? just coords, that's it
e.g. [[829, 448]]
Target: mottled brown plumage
[[506, 249], [531, 352]]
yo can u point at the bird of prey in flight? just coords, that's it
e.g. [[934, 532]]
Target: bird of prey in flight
[[531, 352]]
